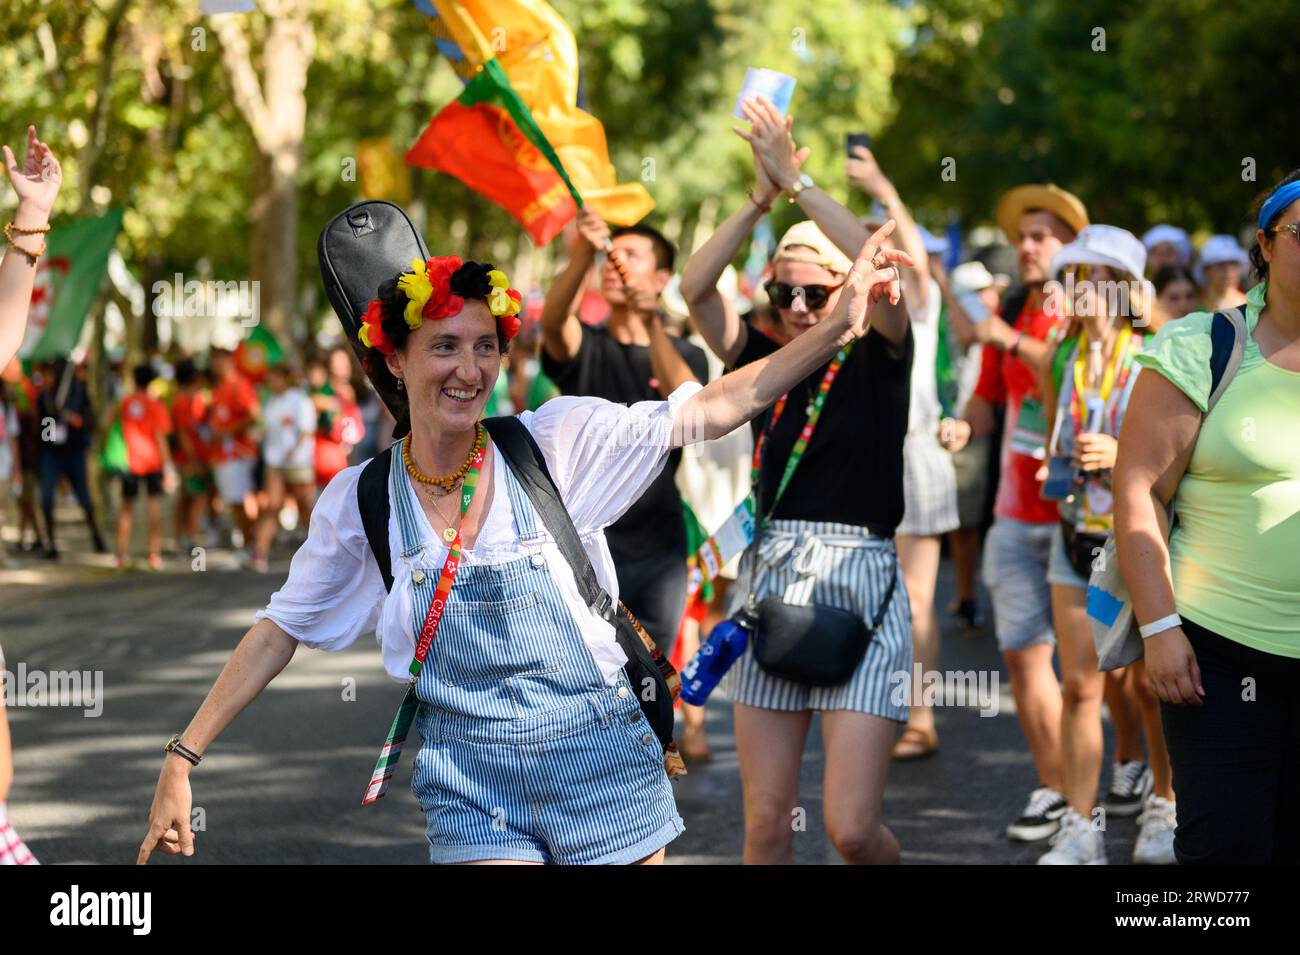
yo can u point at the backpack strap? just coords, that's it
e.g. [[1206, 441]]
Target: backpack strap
[[1013, 303], [526, 462], [1227, 347], [372, 501]]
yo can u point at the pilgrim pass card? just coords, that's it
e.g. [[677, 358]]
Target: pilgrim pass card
[[776, 87]]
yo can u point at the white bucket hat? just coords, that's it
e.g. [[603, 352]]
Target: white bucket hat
[[1103, 245], [1223, 248], [1174, 236]]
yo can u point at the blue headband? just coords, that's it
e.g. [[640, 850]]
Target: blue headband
[[1283, 197]]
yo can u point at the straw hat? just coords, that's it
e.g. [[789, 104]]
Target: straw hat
[[1050, 198]]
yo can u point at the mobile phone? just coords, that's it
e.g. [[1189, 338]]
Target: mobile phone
[[856, 139], [1060, 478]]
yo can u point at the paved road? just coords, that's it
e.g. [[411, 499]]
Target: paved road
[[283, 784]]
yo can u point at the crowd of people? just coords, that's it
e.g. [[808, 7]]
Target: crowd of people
[[240, 452], [900, 401]]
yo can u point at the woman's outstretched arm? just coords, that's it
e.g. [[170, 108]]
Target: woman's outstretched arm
[[36, 182], [259, 658], [727, 403]]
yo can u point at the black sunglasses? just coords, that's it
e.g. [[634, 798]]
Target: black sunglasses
[[814, 296]]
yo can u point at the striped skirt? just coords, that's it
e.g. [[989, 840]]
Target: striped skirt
[[834, 565]]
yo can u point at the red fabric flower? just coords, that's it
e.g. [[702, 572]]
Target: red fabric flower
[[371, 333], [442, 303], [509, 325]]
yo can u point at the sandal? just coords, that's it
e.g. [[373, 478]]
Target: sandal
[[916, 743]]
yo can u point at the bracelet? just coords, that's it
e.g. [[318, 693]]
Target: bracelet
[[1160, 626], [1014, 350], [10, 229], [13, 227], [761, 207], [174, 745]]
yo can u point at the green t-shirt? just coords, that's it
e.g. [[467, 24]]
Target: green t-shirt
[[1235, 552]]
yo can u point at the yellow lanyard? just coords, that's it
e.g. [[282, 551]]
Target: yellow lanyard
[[1107, 378]]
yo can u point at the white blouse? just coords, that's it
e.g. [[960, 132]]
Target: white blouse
[[602, 456]]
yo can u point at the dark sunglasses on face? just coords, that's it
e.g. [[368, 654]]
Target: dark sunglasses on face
[[814, 296]]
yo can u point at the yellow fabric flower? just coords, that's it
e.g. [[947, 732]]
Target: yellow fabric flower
[[497, 279], [417, 288], [363, 336]]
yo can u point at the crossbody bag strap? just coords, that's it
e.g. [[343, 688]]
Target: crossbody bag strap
[[888, 598], [526, 462]]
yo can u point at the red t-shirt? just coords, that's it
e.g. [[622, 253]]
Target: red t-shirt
[[1009, 381], [233, 401], [144, 421], [187, 415]]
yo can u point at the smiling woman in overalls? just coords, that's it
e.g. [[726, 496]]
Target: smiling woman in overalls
[[534, 748]]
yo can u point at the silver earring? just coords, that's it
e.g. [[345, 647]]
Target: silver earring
[[401, 384]]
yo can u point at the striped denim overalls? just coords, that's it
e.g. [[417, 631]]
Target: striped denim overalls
[[527, 754]]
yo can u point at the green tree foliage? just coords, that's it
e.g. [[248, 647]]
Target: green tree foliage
[[1154, 126]]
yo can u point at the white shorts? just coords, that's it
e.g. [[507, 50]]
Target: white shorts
[[234, 479], [929, 487]]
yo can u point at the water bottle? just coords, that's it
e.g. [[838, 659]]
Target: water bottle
[[725, 644]]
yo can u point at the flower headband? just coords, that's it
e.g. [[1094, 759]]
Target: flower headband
[[427, 287]]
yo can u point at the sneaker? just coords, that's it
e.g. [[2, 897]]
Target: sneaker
[[1041, 816], [155, 562], [1129, 787], [1075, 843], [1155, 842]]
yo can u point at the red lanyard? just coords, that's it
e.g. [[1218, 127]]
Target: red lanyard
[[397, 733]]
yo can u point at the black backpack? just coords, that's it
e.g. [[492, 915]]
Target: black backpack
[[648, 671]]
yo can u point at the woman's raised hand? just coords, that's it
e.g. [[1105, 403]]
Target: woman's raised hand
[[38, 179], [874, 276], [773, 145]]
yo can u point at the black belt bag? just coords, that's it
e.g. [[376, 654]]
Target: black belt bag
[[1081, 548], [814, 645]]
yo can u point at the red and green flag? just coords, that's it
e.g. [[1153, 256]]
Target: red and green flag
[[488, 139], [257, 352], [68, 277]]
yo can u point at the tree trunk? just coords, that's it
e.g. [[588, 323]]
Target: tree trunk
[[275, 109]]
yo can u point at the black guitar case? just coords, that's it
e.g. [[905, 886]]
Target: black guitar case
[[361, 247]]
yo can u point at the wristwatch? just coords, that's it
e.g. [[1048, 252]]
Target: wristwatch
[[804, 181], [174, 745]]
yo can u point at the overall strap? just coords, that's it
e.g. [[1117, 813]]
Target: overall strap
[[526, 525], [524, 459], [372, 501], [408, 519]]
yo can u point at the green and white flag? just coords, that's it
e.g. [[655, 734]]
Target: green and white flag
[[67, 279]]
